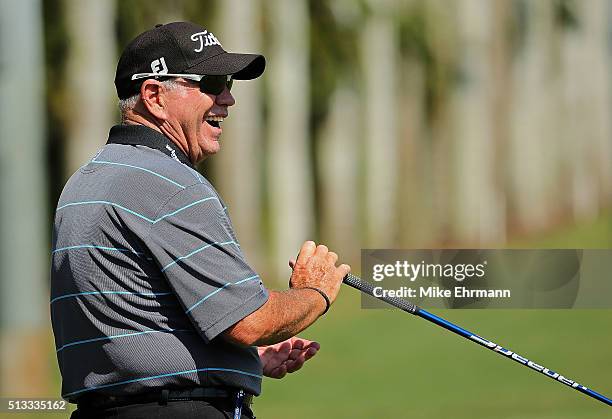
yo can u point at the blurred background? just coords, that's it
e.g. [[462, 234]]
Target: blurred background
[[377, 124]]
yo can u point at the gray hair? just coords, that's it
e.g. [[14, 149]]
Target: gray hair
[[128, 104]]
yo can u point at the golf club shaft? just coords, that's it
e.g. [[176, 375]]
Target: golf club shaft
[[404, 305]]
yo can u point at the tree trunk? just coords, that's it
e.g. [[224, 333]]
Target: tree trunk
[[338, 165], [289, 160], [24, 320], [440, 34], [379, 41], [501, 98], [534, 152], [479, 216], [586, 94], [90, 72], [239, 168], [416, 197]]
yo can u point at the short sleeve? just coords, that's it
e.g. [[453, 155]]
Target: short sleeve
[[192, 241]]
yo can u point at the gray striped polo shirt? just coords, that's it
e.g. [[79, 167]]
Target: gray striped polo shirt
[[146, 273]]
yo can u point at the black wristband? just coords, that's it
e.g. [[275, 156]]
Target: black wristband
[[327, 302]]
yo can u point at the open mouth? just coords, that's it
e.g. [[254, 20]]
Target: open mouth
[[214, 121]]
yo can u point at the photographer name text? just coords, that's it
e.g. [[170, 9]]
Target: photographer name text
[[437, 292]]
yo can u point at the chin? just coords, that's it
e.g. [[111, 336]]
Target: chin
[[210, 150]]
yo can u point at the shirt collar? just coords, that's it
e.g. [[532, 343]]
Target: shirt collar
[[142, 135]]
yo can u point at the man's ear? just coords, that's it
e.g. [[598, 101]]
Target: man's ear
[[152, 93]]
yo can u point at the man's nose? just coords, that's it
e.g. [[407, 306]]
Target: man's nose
[[225, 98]]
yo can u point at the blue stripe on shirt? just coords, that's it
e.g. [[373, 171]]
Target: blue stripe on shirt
[[134, 212], [80, 342], [207, 296], [78, 294], [152, 377], [198, 250], [138, 168]]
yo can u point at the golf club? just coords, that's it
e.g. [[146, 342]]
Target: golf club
[[404, 305]]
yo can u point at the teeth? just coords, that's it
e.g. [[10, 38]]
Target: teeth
[[214, 118]]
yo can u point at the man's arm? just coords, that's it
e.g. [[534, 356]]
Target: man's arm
[[286, 313]]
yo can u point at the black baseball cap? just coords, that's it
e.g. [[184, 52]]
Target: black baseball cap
[[181, 48]]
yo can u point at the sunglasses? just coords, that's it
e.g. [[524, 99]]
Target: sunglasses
[[213, 85]]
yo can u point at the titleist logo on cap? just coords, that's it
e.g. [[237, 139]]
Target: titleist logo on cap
[[206, 39]]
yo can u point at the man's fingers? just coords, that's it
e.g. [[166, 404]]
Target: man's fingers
[[284, 349], [343, 269], [278, 372], [303, 354], [309, 353], [321, 251], [297, 343], [316, 268], [332, 257], [315, 345], [293, 354], [295, 364], [307, 250], [287, 357]]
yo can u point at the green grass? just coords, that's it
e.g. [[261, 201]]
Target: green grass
[[596, 234], [386, 363]]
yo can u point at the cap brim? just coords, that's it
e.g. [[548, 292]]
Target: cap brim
[[241, 66]]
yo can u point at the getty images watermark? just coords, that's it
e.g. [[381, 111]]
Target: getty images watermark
[[467, 278]]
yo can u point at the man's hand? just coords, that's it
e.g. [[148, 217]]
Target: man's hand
[[287, 313], [316, 267], [287, 356]]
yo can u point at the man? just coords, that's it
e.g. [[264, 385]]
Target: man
[[155, 310]]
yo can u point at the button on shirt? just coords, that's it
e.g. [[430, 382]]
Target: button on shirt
[[146, 273]]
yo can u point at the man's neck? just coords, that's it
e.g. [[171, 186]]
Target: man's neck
[[135, 118]]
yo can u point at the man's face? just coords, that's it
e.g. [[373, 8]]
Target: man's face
[[195, 116]]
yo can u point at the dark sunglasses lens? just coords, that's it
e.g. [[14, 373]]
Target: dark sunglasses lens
[[215, 85]]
